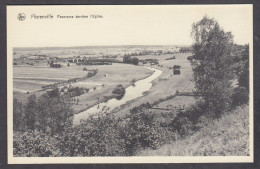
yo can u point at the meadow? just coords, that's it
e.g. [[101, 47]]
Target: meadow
[[167, 84], [103, 83], [31, 78]]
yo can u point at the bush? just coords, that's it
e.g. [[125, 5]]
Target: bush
[[182, 125], [119, 90], [190, 58], [76, 91], [176, 67], [128, 59], [135, 61], [54, 93], [97, 136], [185, 122], [100, 135], [143, 130], [92, 73], [54, 65], [34, 144]]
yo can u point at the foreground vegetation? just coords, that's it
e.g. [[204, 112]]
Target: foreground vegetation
[[99, 135], [227, 136]]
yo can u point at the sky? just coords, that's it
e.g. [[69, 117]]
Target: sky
[[122, 25]]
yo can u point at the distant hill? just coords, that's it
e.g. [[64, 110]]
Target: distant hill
[[91, 47]]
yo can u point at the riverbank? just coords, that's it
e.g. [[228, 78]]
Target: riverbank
[[166, 85], [116, 74], [111, 96], [131, 92], [163, 88]]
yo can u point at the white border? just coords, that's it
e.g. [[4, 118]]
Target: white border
[[109, 160]]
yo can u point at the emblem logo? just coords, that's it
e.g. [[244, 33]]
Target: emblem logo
[[21, 17]]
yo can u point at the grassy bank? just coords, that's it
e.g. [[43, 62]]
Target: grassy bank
[[228, 136], [166, 84]]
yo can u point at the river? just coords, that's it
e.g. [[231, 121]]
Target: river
[[131, 92]]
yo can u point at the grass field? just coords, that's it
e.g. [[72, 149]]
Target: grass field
[[115, 74], [31, 78], [228, 136], [167, 83]]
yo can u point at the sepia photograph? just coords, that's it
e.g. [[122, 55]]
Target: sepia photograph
[[130, 84]]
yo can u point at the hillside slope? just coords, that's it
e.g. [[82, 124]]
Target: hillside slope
[[228, 136]]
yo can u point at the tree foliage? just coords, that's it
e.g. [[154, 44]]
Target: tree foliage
[[119, 90], [18, 114], [35, 144], [213, 66], [243, 79], [130, 60], [30, 112], [45, 113]]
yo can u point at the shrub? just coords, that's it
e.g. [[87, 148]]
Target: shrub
[[76, 91], [54, 65], [119, 90], [98, 136], [34, 144], [143, 130], [92, 73], [54, 93], [176, 67], [128, 59], [182, 125], [185, 122], [135, 61]]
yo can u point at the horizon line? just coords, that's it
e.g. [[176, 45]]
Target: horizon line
[[94, 46]]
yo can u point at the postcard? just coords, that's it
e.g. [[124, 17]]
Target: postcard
[[130, 84]]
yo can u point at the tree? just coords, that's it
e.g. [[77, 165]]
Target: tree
[[54, 93], [213, 66], [18, 115], [119, 90], [53, 113], [43, 106], [135, 61], [243, 79], [126, 59], [60, 115], [30, 112]]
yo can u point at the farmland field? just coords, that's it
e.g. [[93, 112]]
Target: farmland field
[[33, 77]]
